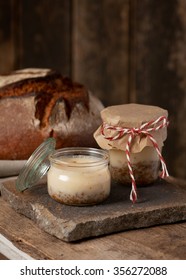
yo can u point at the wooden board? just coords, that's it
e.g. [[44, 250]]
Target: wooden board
[[133, 52], [100, 48], [7, 55], [7, 249], [159, 203], [123, 51], [44, 34], [158, 67]]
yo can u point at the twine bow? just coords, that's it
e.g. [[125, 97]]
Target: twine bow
[[145, 129]]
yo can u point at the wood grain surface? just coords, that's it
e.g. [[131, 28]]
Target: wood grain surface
[[158, 69], [101, 48], [122, 50]]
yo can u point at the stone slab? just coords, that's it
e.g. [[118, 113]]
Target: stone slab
[[158, 203]]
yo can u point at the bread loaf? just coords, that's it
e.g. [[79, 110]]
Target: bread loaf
[[39, 103]]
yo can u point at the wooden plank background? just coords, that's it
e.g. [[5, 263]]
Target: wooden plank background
[[122, 50]]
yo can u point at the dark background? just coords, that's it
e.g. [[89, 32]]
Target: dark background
[[122, 50]]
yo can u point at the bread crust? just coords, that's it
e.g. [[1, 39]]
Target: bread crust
[[35, 108]]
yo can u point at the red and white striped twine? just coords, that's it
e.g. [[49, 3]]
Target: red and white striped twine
[[145, 129]]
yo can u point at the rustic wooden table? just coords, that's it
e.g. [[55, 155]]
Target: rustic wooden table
[[20, 238]]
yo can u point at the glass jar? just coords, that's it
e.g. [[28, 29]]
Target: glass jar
[[75, 176], [79, 176], [134, 135], [145, 166]]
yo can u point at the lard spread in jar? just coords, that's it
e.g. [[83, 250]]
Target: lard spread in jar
[[75, 176], [134, 135], [79, 176]]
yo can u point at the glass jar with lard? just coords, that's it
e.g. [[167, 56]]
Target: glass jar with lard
[[134, 135], [75, 176]]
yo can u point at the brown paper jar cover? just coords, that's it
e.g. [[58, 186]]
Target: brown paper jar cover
[[144, 158]]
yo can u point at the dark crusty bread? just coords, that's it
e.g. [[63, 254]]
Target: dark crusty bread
[[39, 103]]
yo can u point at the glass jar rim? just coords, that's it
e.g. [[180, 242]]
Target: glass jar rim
[[60, 156]]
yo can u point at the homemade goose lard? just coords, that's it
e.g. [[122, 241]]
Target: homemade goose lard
[[79, 176], [134, 135]]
